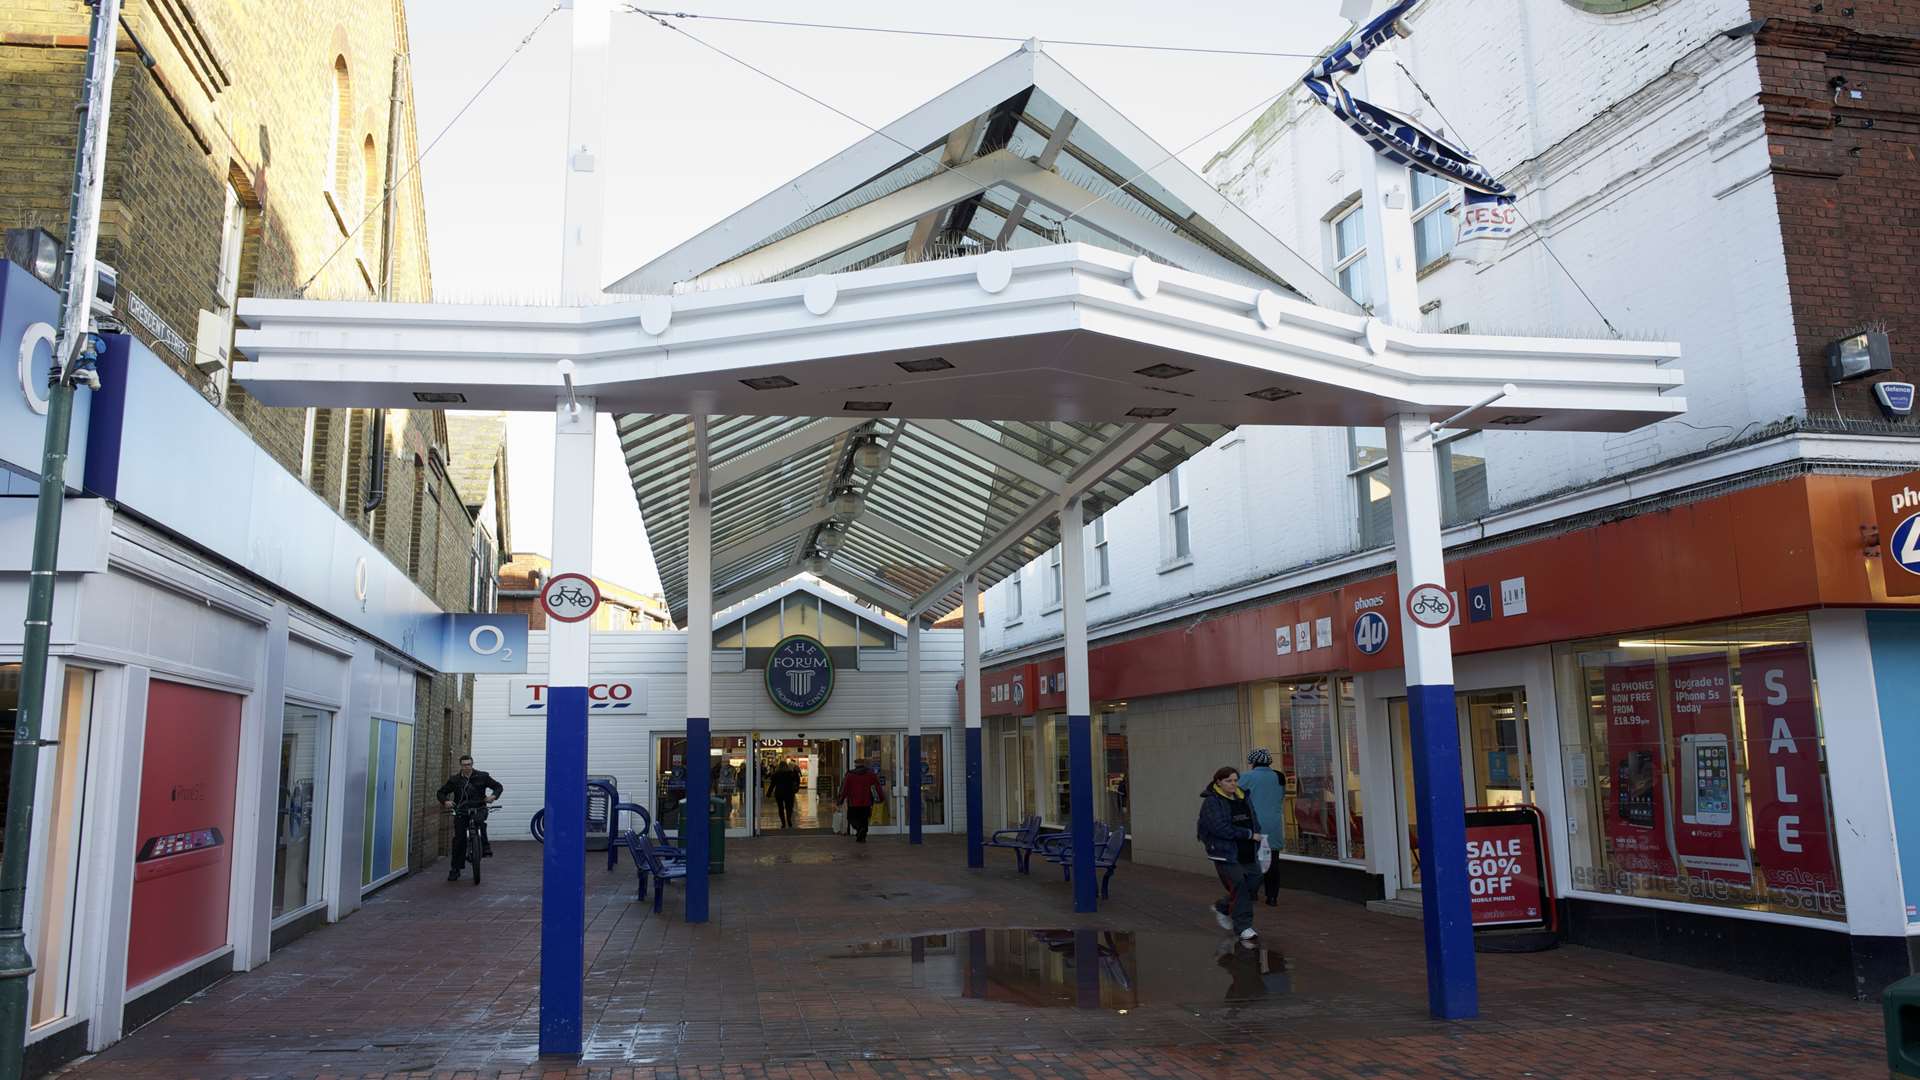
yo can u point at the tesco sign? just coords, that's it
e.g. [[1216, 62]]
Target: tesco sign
[[625, 697]]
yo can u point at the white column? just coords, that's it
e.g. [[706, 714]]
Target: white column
[[586, 112], [1073, 613], [1863, 834], [970, 667], [694, 811], [563, 900], [1439, 792], [257, 832], [914, 718], [1386, 193]]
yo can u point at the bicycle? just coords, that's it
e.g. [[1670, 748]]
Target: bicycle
[[467, 821]]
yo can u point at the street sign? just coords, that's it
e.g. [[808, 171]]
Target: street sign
[[570, 597], [1430, 605], [1896, 506], [1370, 632]]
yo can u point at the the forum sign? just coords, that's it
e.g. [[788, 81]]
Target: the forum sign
[[799, 675]]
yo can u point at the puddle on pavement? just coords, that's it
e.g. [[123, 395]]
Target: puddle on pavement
[[1071, 969]]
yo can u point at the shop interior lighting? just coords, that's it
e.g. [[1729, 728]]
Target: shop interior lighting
[[1672, 643]]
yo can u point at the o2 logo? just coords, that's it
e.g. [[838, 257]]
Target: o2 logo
[[1370, 632]]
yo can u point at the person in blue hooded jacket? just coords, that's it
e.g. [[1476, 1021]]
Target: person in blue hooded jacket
[[1266, 788], [1231, 834]]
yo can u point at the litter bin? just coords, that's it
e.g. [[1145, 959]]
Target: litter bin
[[1902, 1004], [717, 836]]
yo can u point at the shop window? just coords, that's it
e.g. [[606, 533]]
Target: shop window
[[1350, 760], [65, 800], [1349, 226], [1696, 768], [1297, 722], [933, 778], [1433, 227], [300, 835], [1114, 808]]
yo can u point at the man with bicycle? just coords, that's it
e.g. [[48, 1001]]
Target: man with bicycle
[[465, 791]]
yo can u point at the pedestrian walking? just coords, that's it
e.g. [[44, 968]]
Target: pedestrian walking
[[784, 785], [860, 792], [1230, 831], [1266, 789]]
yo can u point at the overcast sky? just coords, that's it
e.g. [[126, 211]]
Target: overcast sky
[[694, 137]]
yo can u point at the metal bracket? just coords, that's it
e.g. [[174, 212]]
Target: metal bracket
[[566, 375], [1435, 429]]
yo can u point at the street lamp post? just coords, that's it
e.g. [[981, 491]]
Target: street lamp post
[[73, 354]]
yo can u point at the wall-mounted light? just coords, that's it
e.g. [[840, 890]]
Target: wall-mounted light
[[1865, 353]]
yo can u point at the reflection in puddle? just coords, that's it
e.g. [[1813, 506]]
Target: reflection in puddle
[[1084, 969]]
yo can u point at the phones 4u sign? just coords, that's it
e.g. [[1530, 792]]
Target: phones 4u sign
[[1508, 883]]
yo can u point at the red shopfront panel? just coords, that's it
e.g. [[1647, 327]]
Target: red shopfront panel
[[184, 858]]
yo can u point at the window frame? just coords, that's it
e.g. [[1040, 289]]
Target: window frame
[[1100, 561], [1344, 261], [1054, 595], [1440, 204], [1014, 599], [1176, 520], [1449, 498]]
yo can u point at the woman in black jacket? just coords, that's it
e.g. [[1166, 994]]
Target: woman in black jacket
[[1231, 834]]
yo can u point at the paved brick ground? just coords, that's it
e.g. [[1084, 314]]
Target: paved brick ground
[[805, 973]]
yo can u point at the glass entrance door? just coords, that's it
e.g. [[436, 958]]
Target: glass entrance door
[[796, 781], [885, 753]]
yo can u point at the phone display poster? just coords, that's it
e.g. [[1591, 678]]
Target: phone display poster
[[1705, 833], [1636, 821]]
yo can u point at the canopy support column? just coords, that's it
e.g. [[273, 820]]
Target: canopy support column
[[914, 711], [694, 811], [1452, 986], [1073, 613], [563, 861], [970, 639]]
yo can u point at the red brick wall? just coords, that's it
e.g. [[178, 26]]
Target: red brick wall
[[1848, 177]]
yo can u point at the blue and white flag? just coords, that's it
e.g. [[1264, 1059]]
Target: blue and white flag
[[1488, 218]]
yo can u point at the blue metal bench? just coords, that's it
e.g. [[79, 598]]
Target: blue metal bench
[[1049, 845], [1106, 854], [649, 862], [1020, 841], [662, 844]]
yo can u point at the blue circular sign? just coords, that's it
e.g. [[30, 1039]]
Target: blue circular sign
[[1370, 632], [799, 675], [1905, 546]]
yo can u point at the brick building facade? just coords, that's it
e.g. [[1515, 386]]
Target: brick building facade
[[1840, 86], [252, 148]]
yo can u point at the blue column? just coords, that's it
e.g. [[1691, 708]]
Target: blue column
[[1086, 883], [1452, 991], [976, 854], [913, 789], [563, 872], [693, 830]]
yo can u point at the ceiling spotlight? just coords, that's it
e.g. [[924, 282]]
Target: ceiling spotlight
[[872, 455], [917, 367], [830, 540], [1144, 413], [867, 406], [846, 503], [1164, 371], [1274, 393], [438, 397], [1515, 420], [770, 382]]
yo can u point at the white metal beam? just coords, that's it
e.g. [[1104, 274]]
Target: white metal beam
[[939, 553], [759, 542], [996, 454], [959, 141], [766, 579], [734, 470], [1062, 131]]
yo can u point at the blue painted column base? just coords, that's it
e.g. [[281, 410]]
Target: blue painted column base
[[1453, 991], [1086, 882], [563, 873], [694, 812], [976, 836], [913, 789]]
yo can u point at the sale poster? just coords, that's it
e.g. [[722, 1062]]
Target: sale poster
[[1635, 817], [1313, 761], [1707, 829], [1503, 875], [1791, 841]]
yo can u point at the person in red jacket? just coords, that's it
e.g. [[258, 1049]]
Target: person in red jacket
[[860, 792]]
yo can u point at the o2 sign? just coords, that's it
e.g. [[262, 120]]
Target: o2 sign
[[1370, 632]]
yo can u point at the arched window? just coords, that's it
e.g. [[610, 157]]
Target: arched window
[[337, 161], [367, 223]]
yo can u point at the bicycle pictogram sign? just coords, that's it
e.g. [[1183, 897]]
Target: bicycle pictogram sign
[[570, 597], [1430, 605]]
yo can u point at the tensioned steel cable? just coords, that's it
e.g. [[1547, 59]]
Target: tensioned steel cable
[[1537, 232], [659, 14], [421, 156]]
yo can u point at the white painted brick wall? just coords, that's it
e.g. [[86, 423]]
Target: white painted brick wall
[[1635, 143]]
